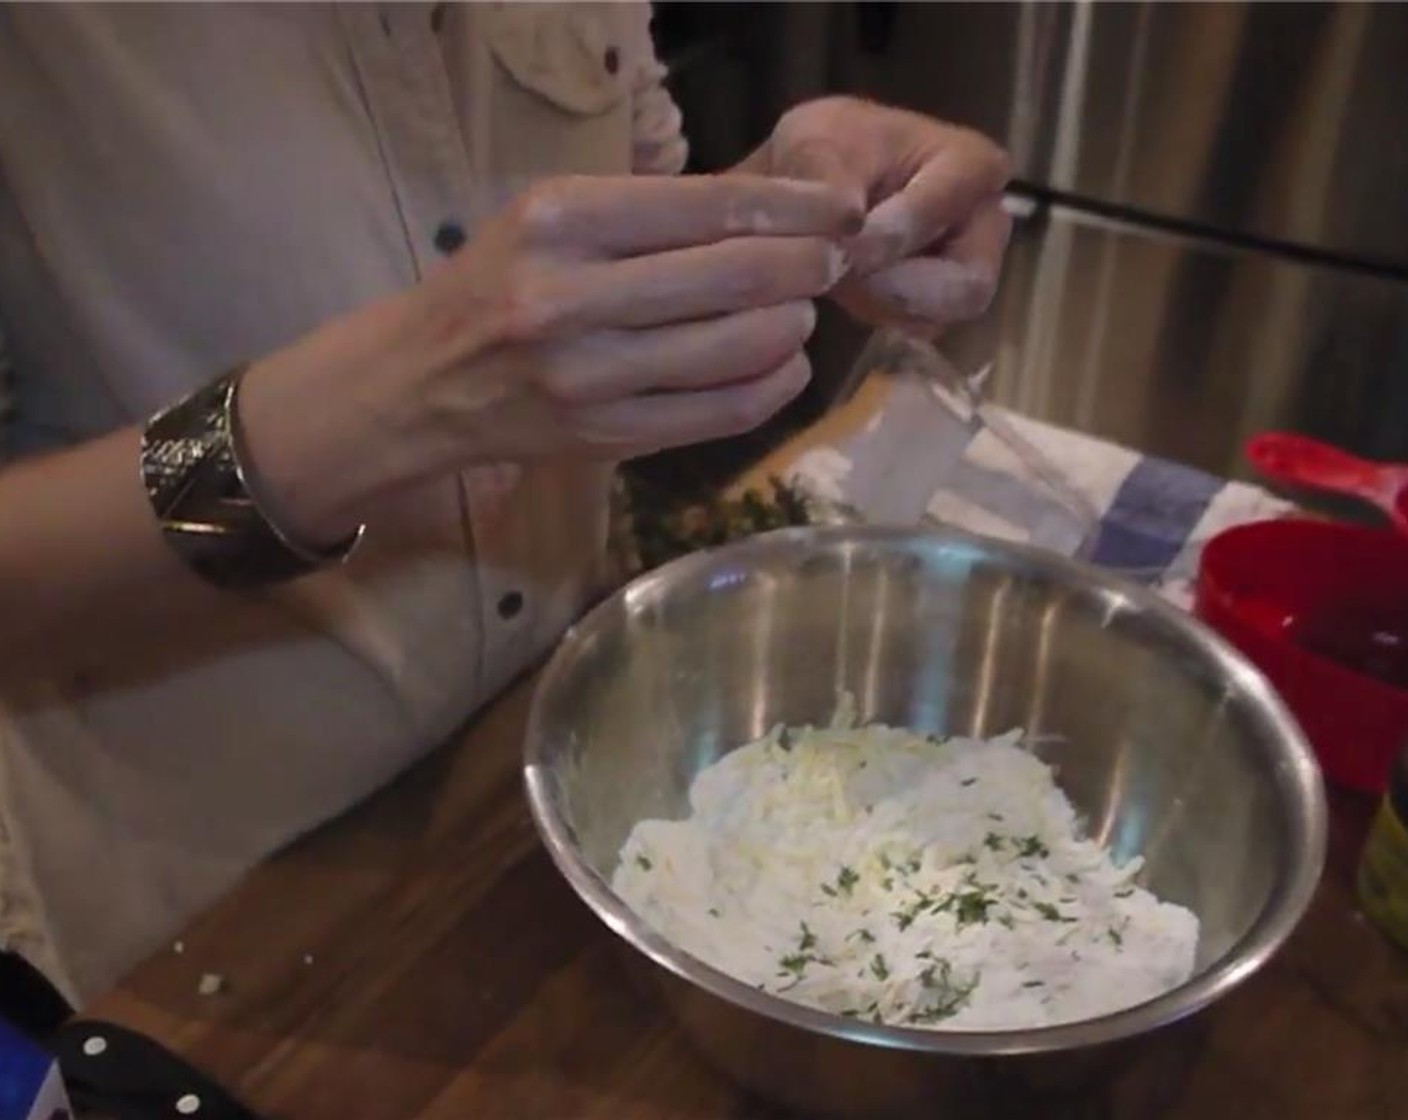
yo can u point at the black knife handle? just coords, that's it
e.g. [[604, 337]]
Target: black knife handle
[[115, 1072], [27, 1000]]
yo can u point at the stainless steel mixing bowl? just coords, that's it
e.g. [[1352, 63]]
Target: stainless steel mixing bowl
[[1169, 744]]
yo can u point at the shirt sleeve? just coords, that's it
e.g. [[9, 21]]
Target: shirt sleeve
[[658, 143]]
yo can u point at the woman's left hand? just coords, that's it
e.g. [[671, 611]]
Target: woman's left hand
[[935, 232]]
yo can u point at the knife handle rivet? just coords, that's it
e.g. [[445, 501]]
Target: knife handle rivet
[[188, 1104], [94, 1045]]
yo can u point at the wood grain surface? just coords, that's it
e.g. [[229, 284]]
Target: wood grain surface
[[421, 958]]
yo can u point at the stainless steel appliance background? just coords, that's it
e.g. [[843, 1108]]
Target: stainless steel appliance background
[[1280, 121], [1216, 234], [1184, 347]]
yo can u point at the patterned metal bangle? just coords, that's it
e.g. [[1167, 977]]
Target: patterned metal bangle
[[199, 487]]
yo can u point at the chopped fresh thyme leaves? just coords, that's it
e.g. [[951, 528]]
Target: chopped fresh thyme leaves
[[1051, 914], [973, 906], [793, 964], [904, 917], [1032, 847], [950, 994]]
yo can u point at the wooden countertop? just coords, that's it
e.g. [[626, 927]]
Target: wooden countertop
[[421, 958]]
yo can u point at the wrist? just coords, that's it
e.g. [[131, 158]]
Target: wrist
[[323, 425], [199, 484]]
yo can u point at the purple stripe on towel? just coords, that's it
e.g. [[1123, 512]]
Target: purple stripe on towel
[[1158, 506]]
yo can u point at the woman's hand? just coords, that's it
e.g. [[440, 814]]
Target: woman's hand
[[595, 317], [935, 231], [610, 317]]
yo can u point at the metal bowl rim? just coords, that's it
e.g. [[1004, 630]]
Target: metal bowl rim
[[1299, 784]]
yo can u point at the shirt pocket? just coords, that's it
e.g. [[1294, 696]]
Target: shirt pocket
[[569, 55]]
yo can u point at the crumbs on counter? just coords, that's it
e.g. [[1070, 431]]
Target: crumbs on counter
[[211, 983]]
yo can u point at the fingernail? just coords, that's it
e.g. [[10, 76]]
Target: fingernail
[[838, 263], [969, 291], [875, 249], [982, 291], [854, 220], [886, 238], [799, 374], [808, 319]]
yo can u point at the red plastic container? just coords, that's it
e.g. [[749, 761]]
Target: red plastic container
[[1322, 610]]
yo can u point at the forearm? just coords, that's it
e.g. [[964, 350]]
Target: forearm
[[81, 556], [593, 319], [83, 563]]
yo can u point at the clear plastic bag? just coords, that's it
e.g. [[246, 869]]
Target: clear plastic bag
[[937, 453]]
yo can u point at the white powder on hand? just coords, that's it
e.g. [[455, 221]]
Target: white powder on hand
[[874, 873]]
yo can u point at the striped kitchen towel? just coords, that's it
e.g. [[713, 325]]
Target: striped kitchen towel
[[1153, 515]]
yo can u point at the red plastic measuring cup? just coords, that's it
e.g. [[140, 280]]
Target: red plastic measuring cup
[[1299, 461], [1322, 610]]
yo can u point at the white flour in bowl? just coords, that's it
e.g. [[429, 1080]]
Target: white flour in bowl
[[872, 872]]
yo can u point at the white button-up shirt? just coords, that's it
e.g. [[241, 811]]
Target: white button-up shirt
[[183, 187]]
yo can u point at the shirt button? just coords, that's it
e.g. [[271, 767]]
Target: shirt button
[[449, 237], [437, 18], [612, 60], [510, 605]]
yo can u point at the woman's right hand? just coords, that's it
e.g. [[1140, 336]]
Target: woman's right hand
[[599, 318], [608, 317]]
